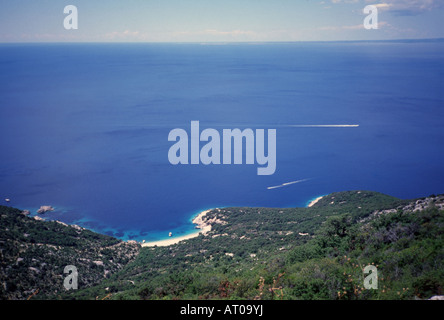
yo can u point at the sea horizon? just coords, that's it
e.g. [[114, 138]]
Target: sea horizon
[[436, 39]]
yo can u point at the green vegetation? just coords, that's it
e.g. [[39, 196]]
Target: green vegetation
[[291, 253], [33, 255]]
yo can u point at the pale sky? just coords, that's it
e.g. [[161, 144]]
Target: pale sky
[[218, 21]]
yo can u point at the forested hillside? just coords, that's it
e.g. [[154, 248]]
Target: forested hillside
[[250, 253], [297, 253], [34, 253]]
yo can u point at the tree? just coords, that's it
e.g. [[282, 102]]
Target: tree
[[335, 231]]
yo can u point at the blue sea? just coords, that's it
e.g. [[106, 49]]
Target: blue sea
[[84, 127]]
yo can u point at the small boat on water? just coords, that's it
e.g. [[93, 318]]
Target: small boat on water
[[7, 200], [170, 234]]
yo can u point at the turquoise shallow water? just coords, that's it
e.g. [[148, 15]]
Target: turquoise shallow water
[[84, 127]]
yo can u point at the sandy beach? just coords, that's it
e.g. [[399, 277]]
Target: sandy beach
[[312, 203], [202, 228]]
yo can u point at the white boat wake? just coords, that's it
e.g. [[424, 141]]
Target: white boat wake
[[287, 184]]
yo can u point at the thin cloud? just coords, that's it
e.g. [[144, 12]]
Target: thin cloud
[[123, 35], [233, 34], [413, 6], [352, 27], [230, 33], [337, 28], [399, 7]]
